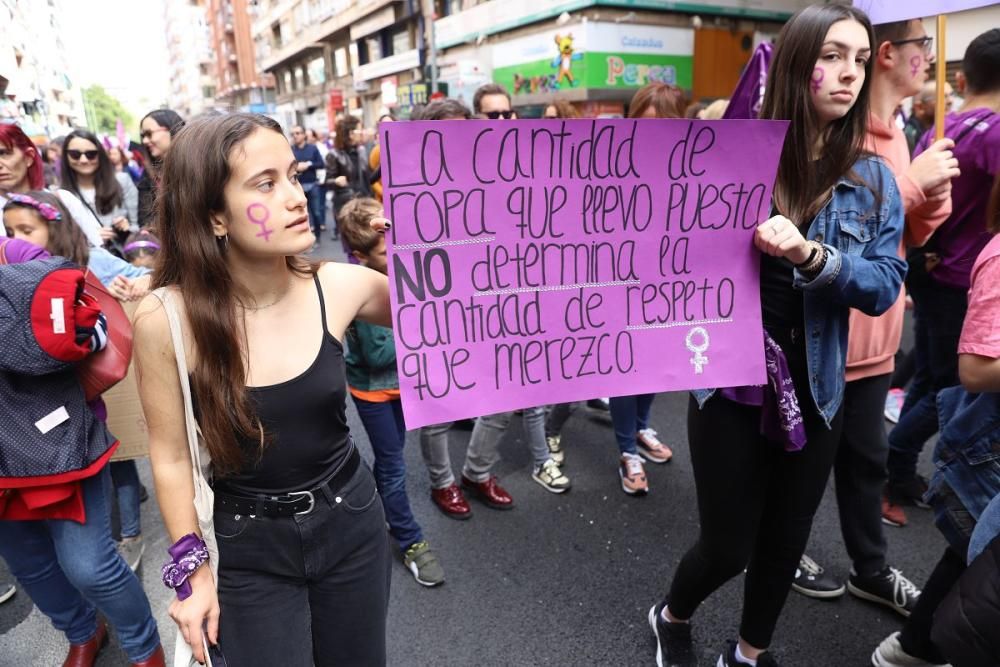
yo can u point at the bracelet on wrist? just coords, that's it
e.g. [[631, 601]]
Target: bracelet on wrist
[[813, 251], [186, 555]]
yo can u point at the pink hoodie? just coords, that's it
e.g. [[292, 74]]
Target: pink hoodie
[[873, 341]]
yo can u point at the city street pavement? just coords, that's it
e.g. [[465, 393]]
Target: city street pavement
[[561, 579]]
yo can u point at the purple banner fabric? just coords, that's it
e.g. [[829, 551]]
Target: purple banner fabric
[[539, 262], [749, 94], [888, 11]]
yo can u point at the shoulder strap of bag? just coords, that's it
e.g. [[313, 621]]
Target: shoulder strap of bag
[[177, 338], [3, 251]]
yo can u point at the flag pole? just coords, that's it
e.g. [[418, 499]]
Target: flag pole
[[940, 76]]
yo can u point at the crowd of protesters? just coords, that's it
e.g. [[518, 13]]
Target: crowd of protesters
[[247, 351]]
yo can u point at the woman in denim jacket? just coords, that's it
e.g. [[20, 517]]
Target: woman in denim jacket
[[762, 455]]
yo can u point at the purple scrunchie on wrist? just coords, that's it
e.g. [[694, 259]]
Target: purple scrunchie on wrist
[[187, 555]]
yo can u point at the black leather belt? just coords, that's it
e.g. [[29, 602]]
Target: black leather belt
[[287, 504]]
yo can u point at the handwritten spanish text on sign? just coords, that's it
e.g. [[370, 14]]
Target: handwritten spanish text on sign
[[538, 262]]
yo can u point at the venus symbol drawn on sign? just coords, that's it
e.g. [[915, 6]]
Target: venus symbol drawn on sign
[[258, 214], [699, 360]]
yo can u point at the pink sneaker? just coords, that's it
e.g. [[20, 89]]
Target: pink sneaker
[[633, 475], [651, 448]]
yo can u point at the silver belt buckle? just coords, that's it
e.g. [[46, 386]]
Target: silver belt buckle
[[310, 496]]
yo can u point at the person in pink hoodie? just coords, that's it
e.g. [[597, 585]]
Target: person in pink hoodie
[[902, 60]]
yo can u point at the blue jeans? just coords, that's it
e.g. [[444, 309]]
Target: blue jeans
[[68, 569], [316, 203], [387, 433], [125, 477], [629, 415], [938, 316]]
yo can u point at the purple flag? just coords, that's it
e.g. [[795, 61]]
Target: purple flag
[[122, 136], [749, 94], [538, 262], [889, 11]]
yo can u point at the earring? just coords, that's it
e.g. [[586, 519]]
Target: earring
[[224, 241]]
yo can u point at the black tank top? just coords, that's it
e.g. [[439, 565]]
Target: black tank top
[[306, 420]]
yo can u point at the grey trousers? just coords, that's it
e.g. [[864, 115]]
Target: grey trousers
[[481, 455]]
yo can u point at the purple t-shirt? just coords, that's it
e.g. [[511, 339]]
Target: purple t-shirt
[[17, 251], [963, 235]]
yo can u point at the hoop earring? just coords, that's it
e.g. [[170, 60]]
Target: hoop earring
[[223, 242]]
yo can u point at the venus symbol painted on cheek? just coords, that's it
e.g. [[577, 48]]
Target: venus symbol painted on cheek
[[817, 78], [258, 214], [915, 63]]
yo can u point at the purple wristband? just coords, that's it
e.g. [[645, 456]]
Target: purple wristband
[[187, 555]]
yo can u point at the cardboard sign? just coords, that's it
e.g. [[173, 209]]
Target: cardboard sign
[[125, 419], [538, 262]]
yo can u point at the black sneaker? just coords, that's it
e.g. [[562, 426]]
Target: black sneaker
[[674, 647], [813, 581], [908, 492], [889, 587], [728, 658], [599, 408]]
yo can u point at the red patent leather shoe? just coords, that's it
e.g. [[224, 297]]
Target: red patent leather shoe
[[85, 654], [451, 501], [155, 660], [489, 492]]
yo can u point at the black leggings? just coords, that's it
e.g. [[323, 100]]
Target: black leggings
[[756, 504]]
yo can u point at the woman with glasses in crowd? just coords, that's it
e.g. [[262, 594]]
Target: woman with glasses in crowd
[[156, 130]]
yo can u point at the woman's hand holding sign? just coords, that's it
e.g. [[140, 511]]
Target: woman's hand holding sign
[[780, 237]]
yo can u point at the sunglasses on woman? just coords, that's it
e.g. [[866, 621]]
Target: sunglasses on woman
[[76, 155]]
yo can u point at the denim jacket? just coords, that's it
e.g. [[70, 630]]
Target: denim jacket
[[863, 271], [967, 455]]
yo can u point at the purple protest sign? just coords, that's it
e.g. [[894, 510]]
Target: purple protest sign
[[888, 11], [538, 262]]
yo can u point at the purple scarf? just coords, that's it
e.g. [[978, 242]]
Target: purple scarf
[[780, 416]]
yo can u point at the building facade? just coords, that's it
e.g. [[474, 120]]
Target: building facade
[[240, 84], [597, 53], [36, 90], [331, 57], [191, 60]]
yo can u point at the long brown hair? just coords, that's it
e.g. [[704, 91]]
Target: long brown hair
[[194, 176], [107, 189], [802, 183], [66, 239]]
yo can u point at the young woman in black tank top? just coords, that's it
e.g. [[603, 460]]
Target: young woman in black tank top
[[303, 568]]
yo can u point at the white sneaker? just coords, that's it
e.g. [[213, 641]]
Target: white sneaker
[[551, 477], [554, 443], [890, 654]]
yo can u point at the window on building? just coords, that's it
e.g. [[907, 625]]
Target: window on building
[[287, 78], [208, 91], [299, 78], [340, 62], [276, 35], [352, 49], [373, 47], [401, 41], [316, 70]]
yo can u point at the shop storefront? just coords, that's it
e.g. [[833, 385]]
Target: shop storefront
[[594, 63]]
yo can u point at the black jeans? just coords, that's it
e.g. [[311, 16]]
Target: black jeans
[[859, 472], [309, 589], [756, 503]]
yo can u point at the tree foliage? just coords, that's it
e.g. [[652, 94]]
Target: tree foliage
[[103, 110]]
